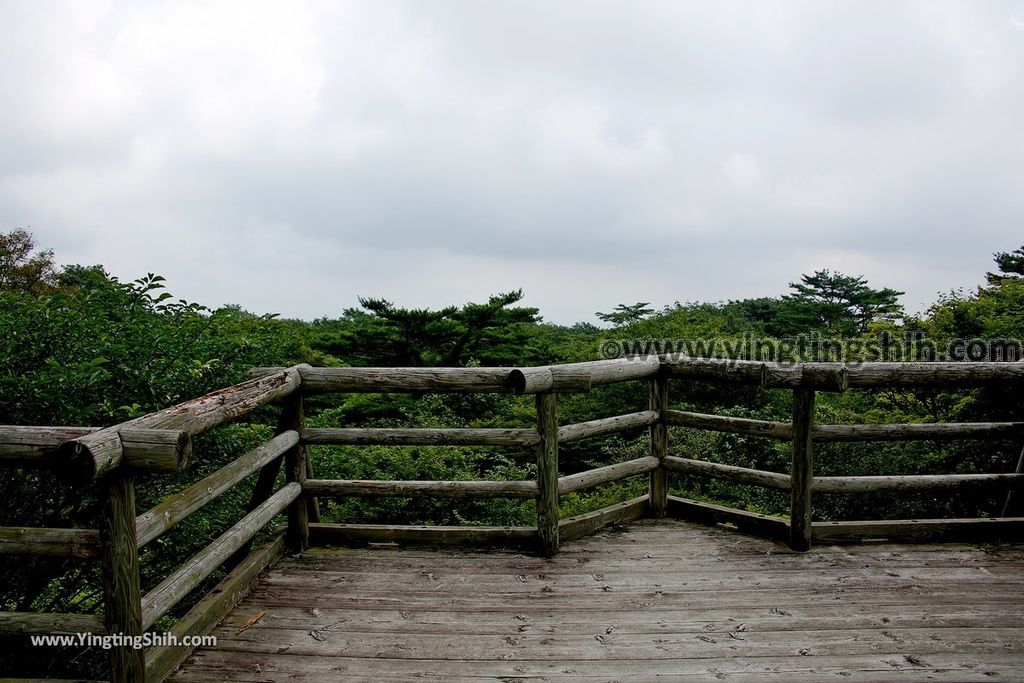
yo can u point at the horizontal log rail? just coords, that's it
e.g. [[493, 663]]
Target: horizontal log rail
[[404, 380], [840, 377], [211, 609], [740, 475], [420, 437], [722, 370], [783, 431], [621, 370], [581, 377], [734, 425], [589, 522], [606, 425], [420, 488], [914, 482], [567, 377], [564, 379], [919, 530], [602, 475], [918, 375], [49, 542], [171, 590], [91, 456], [45, 623], [822, 376], [152, 523], [148, 450], [35, 447], [918, 432], [766, 525], [335, 534]]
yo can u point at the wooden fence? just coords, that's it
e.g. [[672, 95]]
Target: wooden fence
[[109, 459]]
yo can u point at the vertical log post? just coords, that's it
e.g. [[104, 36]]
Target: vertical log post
[[122, 596], [1008, 506], [802, 470], [266, 480], [261, 490], [658, 488], [293, 417], [313, 506], [547, 473]]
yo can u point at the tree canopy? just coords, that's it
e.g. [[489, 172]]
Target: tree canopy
[[23, 268], [626, 314], [81, 347], [843, 303]]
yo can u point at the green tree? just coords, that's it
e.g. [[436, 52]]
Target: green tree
[[399, 336], [842, 303], [1010, 263], [380, 333], [23, 268], [492, 333], [624, 314]]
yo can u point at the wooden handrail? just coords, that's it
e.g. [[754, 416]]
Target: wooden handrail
[[404, 380], [566, 377], [91, 456], [46, 623], [606, 425], [561, 379], [913, 482], [152, 523], [740, 475], [388, 436], [602, 475], [49, 542], [417, 488], [35, 447], [917, 432], [733, 425], [840, 376], [171, 590], [161, 441], [149, 450]]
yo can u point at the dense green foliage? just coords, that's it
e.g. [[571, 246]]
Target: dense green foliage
[[81, 347]]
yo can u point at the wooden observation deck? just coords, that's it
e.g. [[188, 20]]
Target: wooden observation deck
[[653, 588]]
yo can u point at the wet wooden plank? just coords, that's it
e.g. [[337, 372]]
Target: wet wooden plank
[[703, 620], [644, 647], [882, 666], [664, 600]]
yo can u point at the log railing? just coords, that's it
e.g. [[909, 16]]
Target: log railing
[[110, 458], [545, 383], [804, 380]]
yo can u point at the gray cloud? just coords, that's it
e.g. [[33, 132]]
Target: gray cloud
[[291, 157]]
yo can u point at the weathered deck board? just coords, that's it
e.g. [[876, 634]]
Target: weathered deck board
[[660, 600]]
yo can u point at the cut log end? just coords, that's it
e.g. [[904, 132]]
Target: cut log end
[[156, 450], [84, 460], [559, 379], [529, 380], [77, 464]]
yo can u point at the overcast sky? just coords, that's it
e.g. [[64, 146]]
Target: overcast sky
[[292, 156]]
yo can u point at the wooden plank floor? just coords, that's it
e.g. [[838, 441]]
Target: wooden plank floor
[[664, 600]]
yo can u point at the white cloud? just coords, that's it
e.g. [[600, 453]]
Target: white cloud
[[742, 170], [290, 157]]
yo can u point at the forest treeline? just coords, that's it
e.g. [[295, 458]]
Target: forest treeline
[[81, 347]]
